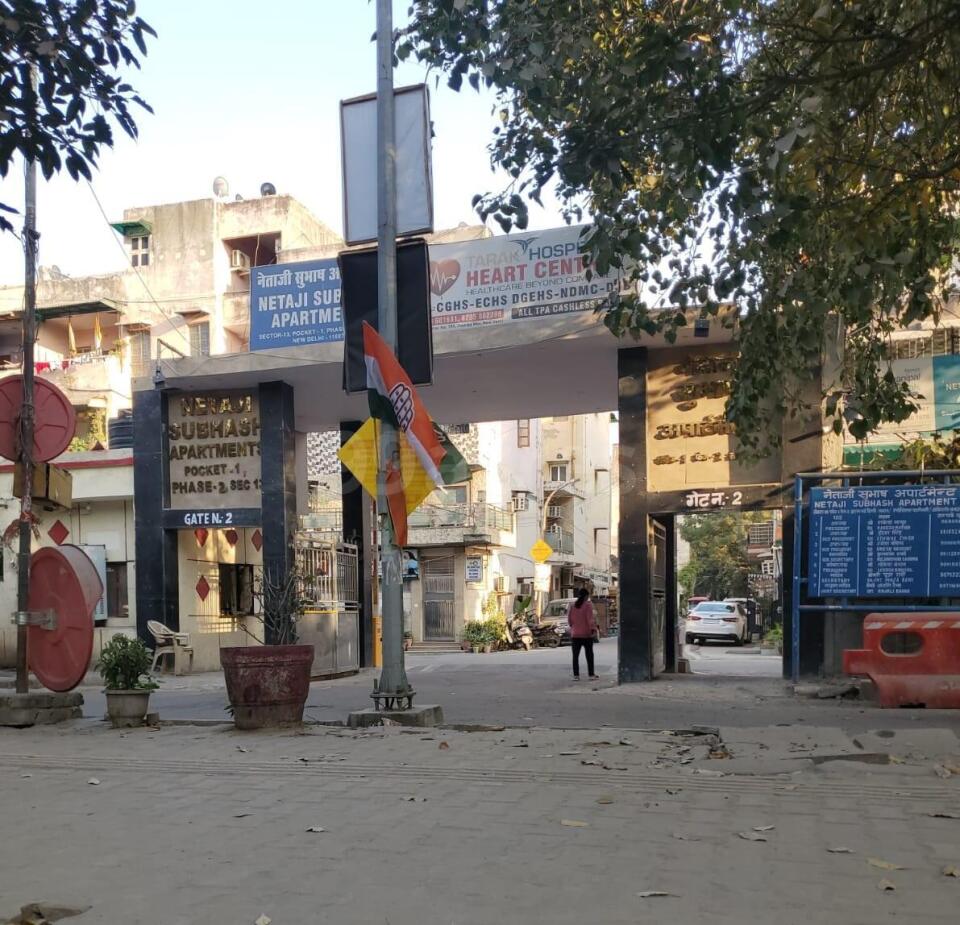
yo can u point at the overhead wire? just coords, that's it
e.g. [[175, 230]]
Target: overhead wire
[[176, 320]]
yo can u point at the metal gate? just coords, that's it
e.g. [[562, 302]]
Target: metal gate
[[331, 619], [658, 597], [439, 618]]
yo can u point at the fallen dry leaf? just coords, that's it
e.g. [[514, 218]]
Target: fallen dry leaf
[[443, 746], [94, 781], [315, 828], [604, 801], [883, 865], [840, 850], [650, 894], [943, 814], [680, 836], [941, 772], [951, 871], [571, 753], [764, 828], [673, 791], [886, 886], [574, 823], [241, 815], [415, 799], [240, 748], [752, 836], [263, 920]]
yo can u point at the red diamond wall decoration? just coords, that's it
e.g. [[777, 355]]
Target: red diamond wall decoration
[[257, 540], [203, 588], [58, 532], [232, 537], [201, 535]]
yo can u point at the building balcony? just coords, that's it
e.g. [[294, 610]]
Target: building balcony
[[461, 525], [561, 489], [87, 376], [561, 542]]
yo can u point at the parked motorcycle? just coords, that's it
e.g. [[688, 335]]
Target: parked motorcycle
[[548, 633]]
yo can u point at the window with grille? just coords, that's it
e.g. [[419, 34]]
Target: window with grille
[[520, 500], [558, 472], [761, 534], [766, 567], [523, 433], [236, 590], [200, 339], [140, 251], [117, 589], [140, 353]]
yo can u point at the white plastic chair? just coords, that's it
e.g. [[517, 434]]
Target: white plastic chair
[[169, 642]]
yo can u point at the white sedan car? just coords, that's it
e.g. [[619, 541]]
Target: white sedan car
[[724, 620]]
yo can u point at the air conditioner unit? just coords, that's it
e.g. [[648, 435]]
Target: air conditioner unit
[[500, 584], [554, 510], [239, 260]]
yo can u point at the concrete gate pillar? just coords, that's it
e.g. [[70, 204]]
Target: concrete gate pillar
[[359, 527], [157, 573], [635, 640], [278, 460]]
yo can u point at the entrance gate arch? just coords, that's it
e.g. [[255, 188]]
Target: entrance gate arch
[[677, 453]]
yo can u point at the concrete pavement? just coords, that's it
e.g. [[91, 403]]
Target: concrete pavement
[[535, 688], [185, 825]]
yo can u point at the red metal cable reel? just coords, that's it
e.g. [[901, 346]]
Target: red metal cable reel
[[55, 420], [64, 580]]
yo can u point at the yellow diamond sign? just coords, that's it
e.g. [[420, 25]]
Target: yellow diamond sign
[[541, 551]]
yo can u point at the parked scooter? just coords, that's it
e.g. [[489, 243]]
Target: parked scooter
[[518, 634]]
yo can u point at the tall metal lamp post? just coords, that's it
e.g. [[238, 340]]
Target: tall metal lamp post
[[392, 689]]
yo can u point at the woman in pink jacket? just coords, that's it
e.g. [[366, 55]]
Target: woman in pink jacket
[[583, 630]]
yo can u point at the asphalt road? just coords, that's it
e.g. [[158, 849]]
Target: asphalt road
[[728, 688]]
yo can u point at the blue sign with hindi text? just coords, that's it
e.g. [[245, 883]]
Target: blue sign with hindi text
[[295, 304], [886, 541]]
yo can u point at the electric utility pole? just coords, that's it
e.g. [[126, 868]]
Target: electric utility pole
[[27, 409]]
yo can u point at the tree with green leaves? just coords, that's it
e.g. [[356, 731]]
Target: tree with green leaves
[[799, 159], [718, 565], [61, 84]]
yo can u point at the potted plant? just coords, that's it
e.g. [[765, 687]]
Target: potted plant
[[474, 635], [268, 684], [407, 640], [123, 665]]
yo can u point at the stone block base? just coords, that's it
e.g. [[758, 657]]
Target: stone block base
[[39, 709], [427, 715]]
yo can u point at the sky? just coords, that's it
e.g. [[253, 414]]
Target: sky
[[250, 91]]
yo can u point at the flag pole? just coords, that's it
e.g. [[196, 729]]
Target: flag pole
[[393, 688]]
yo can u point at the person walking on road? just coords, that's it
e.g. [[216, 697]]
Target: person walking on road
[[583, 631]]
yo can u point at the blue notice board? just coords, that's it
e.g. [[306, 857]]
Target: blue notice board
[[294, 304], [888, 541]]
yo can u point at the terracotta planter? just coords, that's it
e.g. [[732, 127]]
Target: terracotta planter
[[487, 648], [127, 708], [267, 685]]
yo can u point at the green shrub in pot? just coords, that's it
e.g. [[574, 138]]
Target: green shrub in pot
[[124, 664]]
